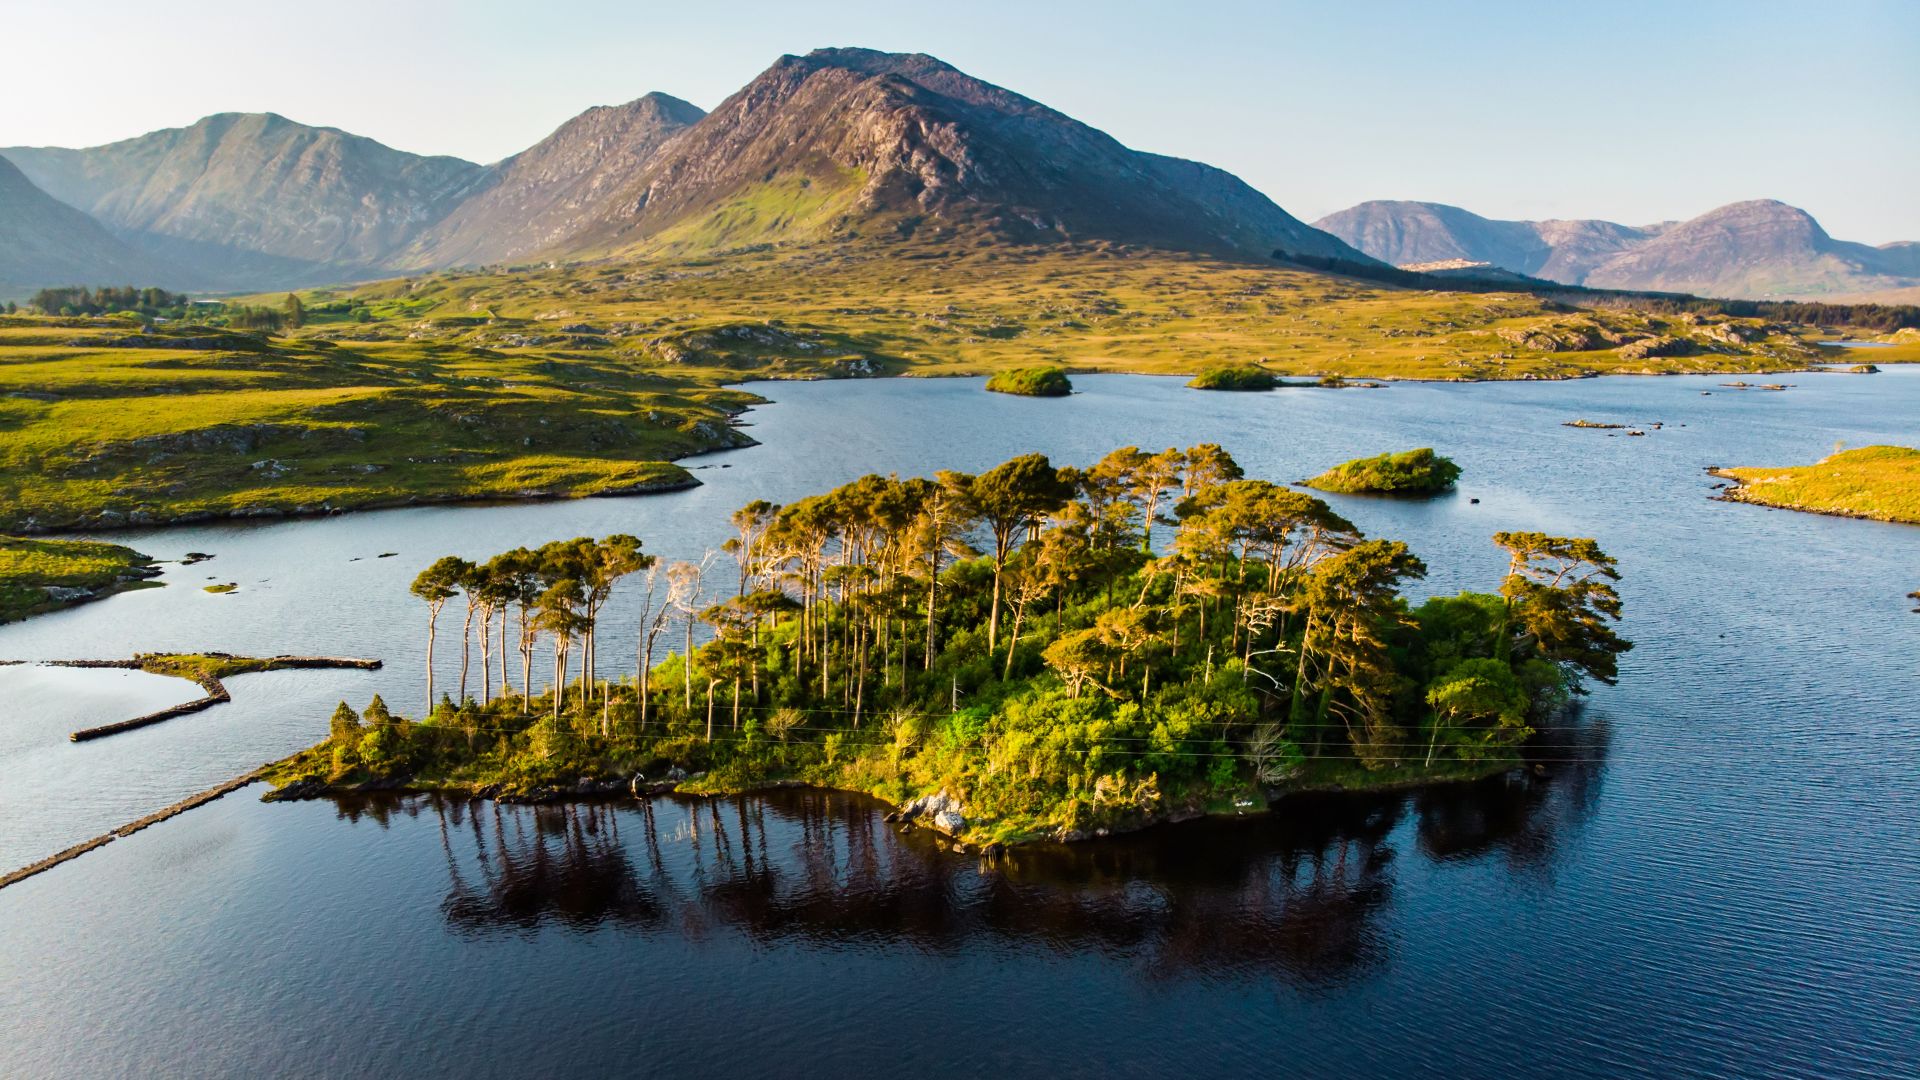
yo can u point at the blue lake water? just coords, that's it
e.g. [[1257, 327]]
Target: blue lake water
[[1721, 877]]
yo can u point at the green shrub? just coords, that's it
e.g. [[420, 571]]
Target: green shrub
[[1235, 377], [1046, 381], [1412, 472]]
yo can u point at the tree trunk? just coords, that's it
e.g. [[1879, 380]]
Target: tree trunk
[[433, 625], [466, 652], [993, 614], [486, 656], [645, 682]]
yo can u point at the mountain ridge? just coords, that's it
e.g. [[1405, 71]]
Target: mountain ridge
[[1757, 249], [907, 136], [837, 144], [272, 192]]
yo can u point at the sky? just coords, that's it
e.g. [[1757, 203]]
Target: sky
[[1629, 111]]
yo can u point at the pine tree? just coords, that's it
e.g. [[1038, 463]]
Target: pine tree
[[345, 728]]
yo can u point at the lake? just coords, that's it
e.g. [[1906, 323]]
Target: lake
[[1719, 877]]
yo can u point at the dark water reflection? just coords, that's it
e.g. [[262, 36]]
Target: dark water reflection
[[1295, 895]]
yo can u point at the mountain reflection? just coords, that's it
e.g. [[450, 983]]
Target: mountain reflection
[[1297, 894]]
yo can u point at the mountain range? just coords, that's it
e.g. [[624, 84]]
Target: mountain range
[[1761, 249], [837, 143]]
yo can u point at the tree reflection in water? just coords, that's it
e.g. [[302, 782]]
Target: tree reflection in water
[[1297, 894]]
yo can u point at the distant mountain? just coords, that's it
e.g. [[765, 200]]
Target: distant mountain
[[846, 141], [539, 198], [1761, 249], [256, 197], [44, 242], [1411, 233], [838, 144]]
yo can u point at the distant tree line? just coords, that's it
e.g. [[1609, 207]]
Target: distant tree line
[[1885, 318], [108, 299]]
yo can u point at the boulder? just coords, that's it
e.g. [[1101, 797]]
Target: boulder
[[939, 810]]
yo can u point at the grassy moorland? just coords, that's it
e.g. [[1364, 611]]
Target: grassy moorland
[[1879, 482], [592, 378], [106, 424], [44, 575], [1062, 683], [934, 309]]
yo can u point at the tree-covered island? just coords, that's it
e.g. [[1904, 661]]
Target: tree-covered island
[[1047, 652], [1044, 381], [1410, 472]]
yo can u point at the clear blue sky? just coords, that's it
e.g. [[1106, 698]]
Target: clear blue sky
[[1630, 111]]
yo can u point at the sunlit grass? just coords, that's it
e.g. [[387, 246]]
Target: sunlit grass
[[1881, 482]]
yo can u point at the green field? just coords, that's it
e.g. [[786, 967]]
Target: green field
[[45, 575], [104, 425], [1879, 482]]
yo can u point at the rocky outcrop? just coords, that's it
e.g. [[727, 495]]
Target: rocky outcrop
[[939, 811], [1657, 345]]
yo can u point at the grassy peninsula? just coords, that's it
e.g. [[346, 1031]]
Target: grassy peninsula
[[1017, 654], [1878, 482], [39, 575], [1031, 382], [108, 423], [1411, 472]]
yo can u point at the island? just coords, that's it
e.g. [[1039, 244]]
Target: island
[[39, 575], [1235, 377], [1020, 654], [1411, 472], [1877, 482], [1045, 381]]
